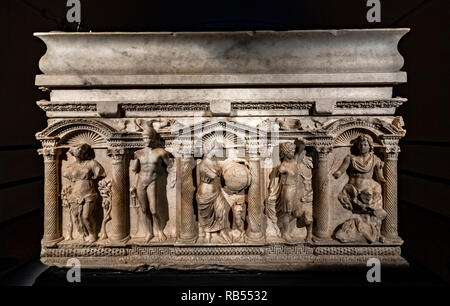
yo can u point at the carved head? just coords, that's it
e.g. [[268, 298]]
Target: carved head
[[300, 144], [364, 144], [239, 209], [287, 150], [366, 196], [80, 151], [149, 136], [215, 149]]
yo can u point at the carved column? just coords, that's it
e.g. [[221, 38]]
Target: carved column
[[321, 190], [52, 214], [389, 228], [120, 229], [188, 228], [255, 204]]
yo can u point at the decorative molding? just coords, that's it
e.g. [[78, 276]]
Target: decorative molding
[[358, 251], [67, 107], [301, 252], [271, 105], [370, 104], [168, 107]]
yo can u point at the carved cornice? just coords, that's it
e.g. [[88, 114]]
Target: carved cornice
[[272, 105], [386, 103], [67, 107], [168, 107]]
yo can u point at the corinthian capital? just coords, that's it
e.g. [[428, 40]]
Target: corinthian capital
[[322, 145], [49, 154], [390, 145], [117, 154]]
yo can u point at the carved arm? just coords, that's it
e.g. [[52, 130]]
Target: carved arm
[[379, 172], [344, 166], [134, 164]]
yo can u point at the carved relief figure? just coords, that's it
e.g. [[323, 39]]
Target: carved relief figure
[[65, 192], [82, 195], [290, 190], [362, 194], [303, 210], [288, 194], [239, 209], [104, 186], [147, 163], [213, 206]]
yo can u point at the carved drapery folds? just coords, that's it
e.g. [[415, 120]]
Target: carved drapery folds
[[241, 175]]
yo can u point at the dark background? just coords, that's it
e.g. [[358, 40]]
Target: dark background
[[424, 163]]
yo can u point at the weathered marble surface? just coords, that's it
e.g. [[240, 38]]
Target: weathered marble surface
[[141, 172], [262, 57]]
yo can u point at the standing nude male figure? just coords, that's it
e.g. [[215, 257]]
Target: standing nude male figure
[[147, 164]]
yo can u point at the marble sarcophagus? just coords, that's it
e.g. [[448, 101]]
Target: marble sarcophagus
[[250, 150]]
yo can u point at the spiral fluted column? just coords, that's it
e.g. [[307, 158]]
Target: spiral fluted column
[[389, 228], [188, 228], [119, 228], [321, 190], [52, 213], [255, 204]]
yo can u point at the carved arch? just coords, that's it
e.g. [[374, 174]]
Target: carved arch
[[232, 134], [346, 130], [66, 132]]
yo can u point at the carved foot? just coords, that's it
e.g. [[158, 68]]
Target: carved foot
[[160, 237], [224, 235], [148, 238], [91, 238], [238, 236], [309, 235], [287, 237], [208, 237], [393, 240]]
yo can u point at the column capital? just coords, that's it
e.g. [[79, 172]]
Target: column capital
[[253, 147], [118, 154], [322, 144], [186, 149], [48, 142], [50, 154], [390, 145]]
